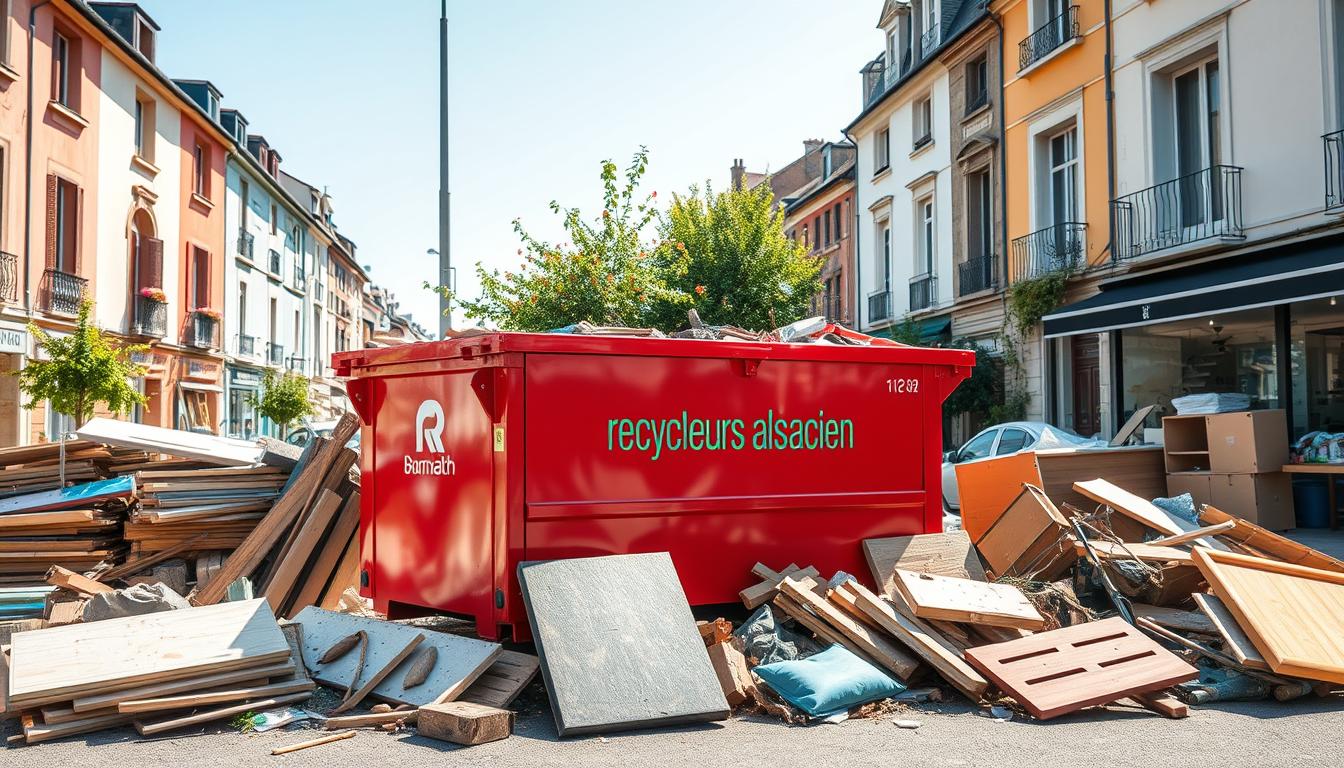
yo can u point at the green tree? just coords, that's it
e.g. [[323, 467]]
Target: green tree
[[283, 399], [727, 255], [81, 370], [605, 276]]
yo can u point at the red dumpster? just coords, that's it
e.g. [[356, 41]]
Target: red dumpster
[[483, 452]]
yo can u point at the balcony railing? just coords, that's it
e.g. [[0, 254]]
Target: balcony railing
[[62, 291], [275, 262], [923, 290], [1194, 207], [1334, 171], [247, 345], [275, 354], [151, 317], [879, 306], [1057, 248], [929, 40], [202, 330], [295, 364], [1051, 35], [9, 277], [977, 274], [977, 100], [299, 277], [245, 240]]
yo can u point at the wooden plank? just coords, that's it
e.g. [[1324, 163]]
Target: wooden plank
[[1294, 615], [821, 629], [1064, 670], [461, 722], [40, 732], [1148, 553], [503, 680], [461, 659], [355, 697], [1269, 543], [730, 667], [325, 566], [1235, 641], [1141, 510], [963, 600], [946, 554], [191, 445], [155, 727], [193, 700], [873, 644], [68, 579], [757, 595], [917, 636], [627, 616], [1163, 704], [1198, 533], [62, 663], [235, 678], [65, 498], [374, 718], [319, 741], [1175, 618], [57, 517], [311, 535], [346, 576], [133, 567]]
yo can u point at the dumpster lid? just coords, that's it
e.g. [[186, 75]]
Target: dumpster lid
[[566, 343]]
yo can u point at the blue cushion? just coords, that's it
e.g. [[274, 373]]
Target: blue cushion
[[829, 681]]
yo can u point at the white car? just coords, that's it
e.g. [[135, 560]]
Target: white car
[[1001, 440]]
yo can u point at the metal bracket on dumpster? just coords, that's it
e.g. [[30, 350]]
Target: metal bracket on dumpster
[[749, 367]]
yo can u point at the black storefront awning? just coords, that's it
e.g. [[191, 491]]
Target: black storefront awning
[[1302, 270]]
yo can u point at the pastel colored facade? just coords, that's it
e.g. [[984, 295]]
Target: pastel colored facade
[[1056, 151], [824, 209], [1225, 271]]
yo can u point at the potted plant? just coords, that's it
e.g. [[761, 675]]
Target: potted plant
[[154, 294], [206, 312]]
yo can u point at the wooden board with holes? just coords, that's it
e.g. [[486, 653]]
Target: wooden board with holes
[[971, 602], [1141, 510], [1235, 641], [1271, 544], [461, 660], [946, 554], [1293, 615], [1064, 670]]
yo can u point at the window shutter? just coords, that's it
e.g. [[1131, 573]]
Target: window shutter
[[150, 267], [51, 221], [79, 230]]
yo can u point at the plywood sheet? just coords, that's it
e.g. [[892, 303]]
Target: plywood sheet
[[1294, 615], [618, 645], [1235, 641], [460, 659], [175, 442], [1028, 539], [1056, 672], [58, 663], [1141, 510], [1269, 543], [963, 600], [946, 554]]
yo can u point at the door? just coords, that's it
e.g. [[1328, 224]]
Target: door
[[1086, 385], [1196, 93]]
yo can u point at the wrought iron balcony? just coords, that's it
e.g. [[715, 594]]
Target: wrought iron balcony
[[1334, 171], [61, 291], [275, 262], [247, 345], [977, 274], [923, 290], [1051, 35], [1194, 207], [299, 277], [202, 330], [275, 354], [9, 277], [1057, 248], [151, 317], [929, 40], [245, 240], [879, 306]]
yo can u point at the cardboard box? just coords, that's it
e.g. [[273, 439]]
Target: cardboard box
[[1265, 499], [1247, 441], [1198, 484]]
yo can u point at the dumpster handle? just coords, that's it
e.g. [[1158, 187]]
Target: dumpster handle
[[749, 367]]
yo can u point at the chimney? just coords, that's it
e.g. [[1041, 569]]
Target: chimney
[[739, 171], [812, 158], [812, 145]]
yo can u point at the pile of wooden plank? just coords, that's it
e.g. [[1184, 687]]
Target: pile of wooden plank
[[223, 503], [76, 527], [159, 672]]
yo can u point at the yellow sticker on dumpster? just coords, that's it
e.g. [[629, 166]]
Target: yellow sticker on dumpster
[[499, 438]]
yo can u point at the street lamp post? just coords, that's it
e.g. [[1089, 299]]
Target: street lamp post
[[445, 256]]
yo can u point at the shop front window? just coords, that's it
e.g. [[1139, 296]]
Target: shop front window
[[1221, 353], [242, 416], [1316, 352]]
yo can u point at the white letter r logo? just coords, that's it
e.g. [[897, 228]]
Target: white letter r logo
[[425, 433]]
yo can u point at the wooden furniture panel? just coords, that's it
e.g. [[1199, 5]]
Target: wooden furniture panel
[[1235, 641], [963, 600], [946, 554]]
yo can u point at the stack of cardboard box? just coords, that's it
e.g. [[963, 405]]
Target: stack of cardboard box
[[1233, 461]]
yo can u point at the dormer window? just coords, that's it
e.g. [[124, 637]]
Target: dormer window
[[144, 38]]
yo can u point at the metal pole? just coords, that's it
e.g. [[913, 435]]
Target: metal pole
[[445, 256]]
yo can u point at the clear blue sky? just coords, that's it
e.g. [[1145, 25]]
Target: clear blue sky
[[540, 93]]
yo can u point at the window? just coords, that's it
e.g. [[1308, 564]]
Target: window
[[144, 127], [7, 9], [826, 165], [64, 215], [195, 414], [826, 224], [200, 278], [200, 156], [1012, 441], [1063, 176], [319, 363], [923, 121], [836, 212], [275, 219], [979, 447], [882, 150], [977, 83], [60, 69], [297, 332], [886, 256], [275, 320], [816, 230], [1196, 109], [925, 236], [806, 242], [242, 308], [979, 233]]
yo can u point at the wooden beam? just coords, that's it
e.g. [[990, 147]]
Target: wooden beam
[[81, 585], [875, 645], [353, 699]]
